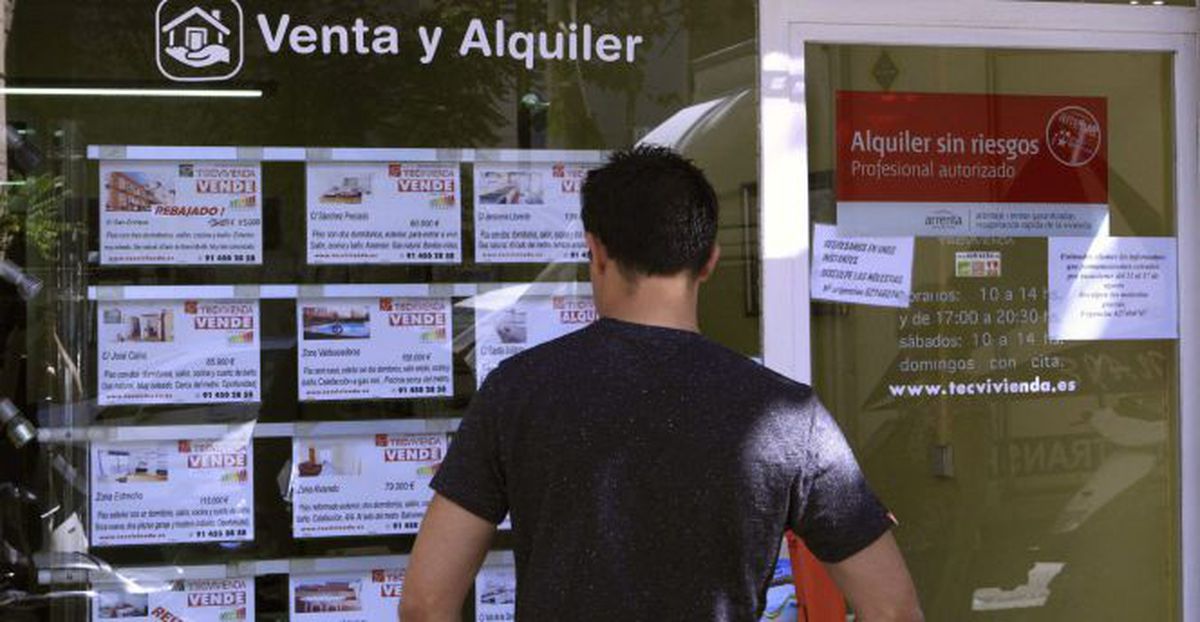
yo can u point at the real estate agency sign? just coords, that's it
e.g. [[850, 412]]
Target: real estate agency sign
[[205, 40], [924, 164]]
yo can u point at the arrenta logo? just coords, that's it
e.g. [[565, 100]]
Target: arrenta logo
[[199, 40]]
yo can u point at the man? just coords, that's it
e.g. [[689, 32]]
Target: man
[[649, 473]]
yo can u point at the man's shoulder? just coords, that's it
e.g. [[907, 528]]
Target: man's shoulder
[[784, 386], [745, 373]]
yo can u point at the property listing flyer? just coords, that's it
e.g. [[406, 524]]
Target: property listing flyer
[[528, 322], [363, 485], [346, 596], [172, 492], [206, 600], [496, 594], [178, 352], [180, 213], [374, 348], [529, 213], [950, 164], [381, 213]]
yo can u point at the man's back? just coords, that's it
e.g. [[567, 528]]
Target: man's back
[[651, 473]]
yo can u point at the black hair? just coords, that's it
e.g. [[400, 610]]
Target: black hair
[[653, 210]]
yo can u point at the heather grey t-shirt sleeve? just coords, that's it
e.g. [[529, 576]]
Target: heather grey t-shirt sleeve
[[473, 475], [833, 508]]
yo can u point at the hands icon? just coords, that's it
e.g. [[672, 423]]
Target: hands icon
[[204, 57]]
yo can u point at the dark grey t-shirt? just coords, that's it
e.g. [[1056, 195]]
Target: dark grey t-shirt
[[651, 473]]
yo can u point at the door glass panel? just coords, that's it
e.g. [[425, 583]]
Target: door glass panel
[[1030, 460]]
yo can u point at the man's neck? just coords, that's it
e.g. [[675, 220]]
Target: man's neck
[[668, 302]]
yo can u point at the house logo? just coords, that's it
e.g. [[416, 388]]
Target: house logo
[[199, 40]]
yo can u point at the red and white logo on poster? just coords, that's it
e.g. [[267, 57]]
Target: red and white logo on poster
[[1074, 135]]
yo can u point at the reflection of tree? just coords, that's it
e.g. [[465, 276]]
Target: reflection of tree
[[707, 26], [396, 101], [39, 199]]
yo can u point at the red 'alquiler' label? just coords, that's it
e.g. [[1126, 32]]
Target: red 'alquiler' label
[[929, 147]]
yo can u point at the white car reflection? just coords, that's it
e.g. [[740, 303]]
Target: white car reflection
[[1133, 458]]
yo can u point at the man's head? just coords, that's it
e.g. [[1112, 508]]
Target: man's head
[[653, 211], [650, 216]]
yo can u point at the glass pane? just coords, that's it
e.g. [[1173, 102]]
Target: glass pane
[[1031, 462], [356, 199]]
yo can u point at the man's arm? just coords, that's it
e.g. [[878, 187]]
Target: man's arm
[[449, 550], [877, 584]]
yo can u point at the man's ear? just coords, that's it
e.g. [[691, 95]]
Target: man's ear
[[710, 266], [599, 255]]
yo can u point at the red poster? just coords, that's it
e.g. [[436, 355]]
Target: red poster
[[970, 164]]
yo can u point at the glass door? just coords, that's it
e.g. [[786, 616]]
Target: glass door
[[985, 283]]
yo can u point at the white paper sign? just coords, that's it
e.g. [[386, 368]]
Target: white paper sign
[[529, 213], [346, 597], [530, 321], [172, 492], [374, 348], [496, 594], [363, 485], [380, 213], [180, 213], [178, 352], [866, 271], [1113, 288], [207, 600]]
